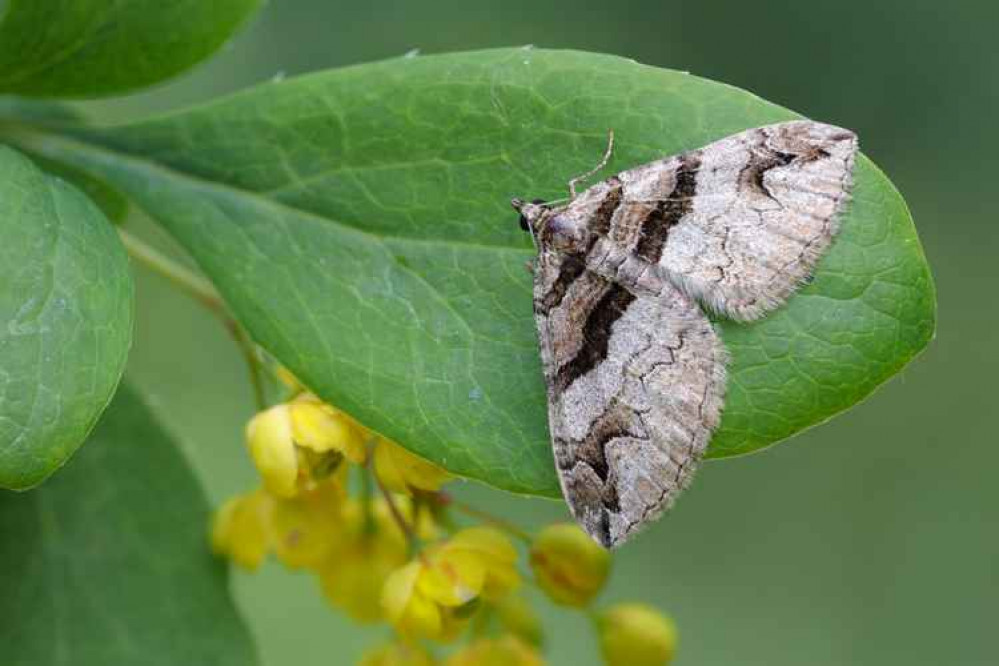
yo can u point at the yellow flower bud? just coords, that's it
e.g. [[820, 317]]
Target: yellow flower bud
[[398, 654], [452, 577], [505, 651], [240, 529], [401, 471], [569, 566], [359, 562], [305, 527], [636, 635], [495, 553], [519, 618], [322, 429], [272, 447]]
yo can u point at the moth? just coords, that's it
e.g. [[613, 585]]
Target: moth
[[625, 274]]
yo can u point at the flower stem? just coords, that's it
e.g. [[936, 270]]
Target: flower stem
[[366, 493], [194, 285], [484, 516], [203, 292], [397, 516], [253, 364]]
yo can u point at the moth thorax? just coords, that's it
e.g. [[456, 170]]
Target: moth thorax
[[566, 232]]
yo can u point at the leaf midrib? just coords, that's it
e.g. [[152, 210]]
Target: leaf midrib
[[33, 138]]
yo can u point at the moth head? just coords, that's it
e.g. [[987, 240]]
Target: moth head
[[552, 227], [531, 214]]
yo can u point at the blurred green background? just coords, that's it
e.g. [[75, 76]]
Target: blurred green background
[[872, 539]]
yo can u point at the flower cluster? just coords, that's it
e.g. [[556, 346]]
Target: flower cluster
[[370, 521]]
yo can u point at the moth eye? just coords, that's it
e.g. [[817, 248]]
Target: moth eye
[[524, 224]]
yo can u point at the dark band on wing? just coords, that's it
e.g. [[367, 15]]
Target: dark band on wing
[[616, 422], [757, 167], [573, 265], [601, 220], [668, 212], [586, 500], [596, 335]]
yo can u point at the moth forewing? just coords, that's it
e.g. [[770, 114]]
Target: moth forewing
[[634, 369]]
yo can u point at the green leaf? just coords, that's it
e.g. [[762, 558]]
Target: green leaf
[[91, 48], [16, 110], [65, 319], [108, 563], [358, 223], [112, 203]]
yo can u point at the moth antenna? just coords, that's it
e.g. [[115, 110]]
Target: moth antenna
[[534, 239], [525, 222], [601, 165]]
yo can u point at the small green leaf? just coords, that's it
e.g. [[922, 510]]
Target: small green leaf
[[358, 223], [65, 319], [108, 563], [90, 48]]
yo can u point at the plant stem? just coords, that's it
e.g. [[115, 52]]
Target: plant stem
[[202, 291], [501, 523], [253, 364], [366, 493], [397, 516], [194, 285]]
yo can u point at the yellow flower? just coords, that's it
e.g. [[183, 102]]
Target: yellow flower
[[413, 612], [321, 428], [297, 444], [434, 595], [397, 654], [636, 635], [505, 651], [401, 471], [240, 529], [360, 560], [495, 554], [520, 619], [272, 447], [306, 527], [568, 565]]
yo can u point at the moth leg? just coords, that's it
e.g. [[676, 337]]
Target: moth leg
[[529, 266], [603, 162]]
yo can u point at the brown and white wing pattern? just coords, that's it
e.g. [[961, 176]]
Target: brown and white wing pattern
[[737, 225], [634, 391], [634, 368]]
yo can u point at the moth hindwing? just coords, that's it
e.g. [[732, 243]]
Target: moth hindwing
[[635, 370]]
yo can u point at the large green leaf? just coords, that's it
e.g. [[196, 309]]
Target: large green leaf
[[108, 563], [358, 223], [65, 319], [89, 48]]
